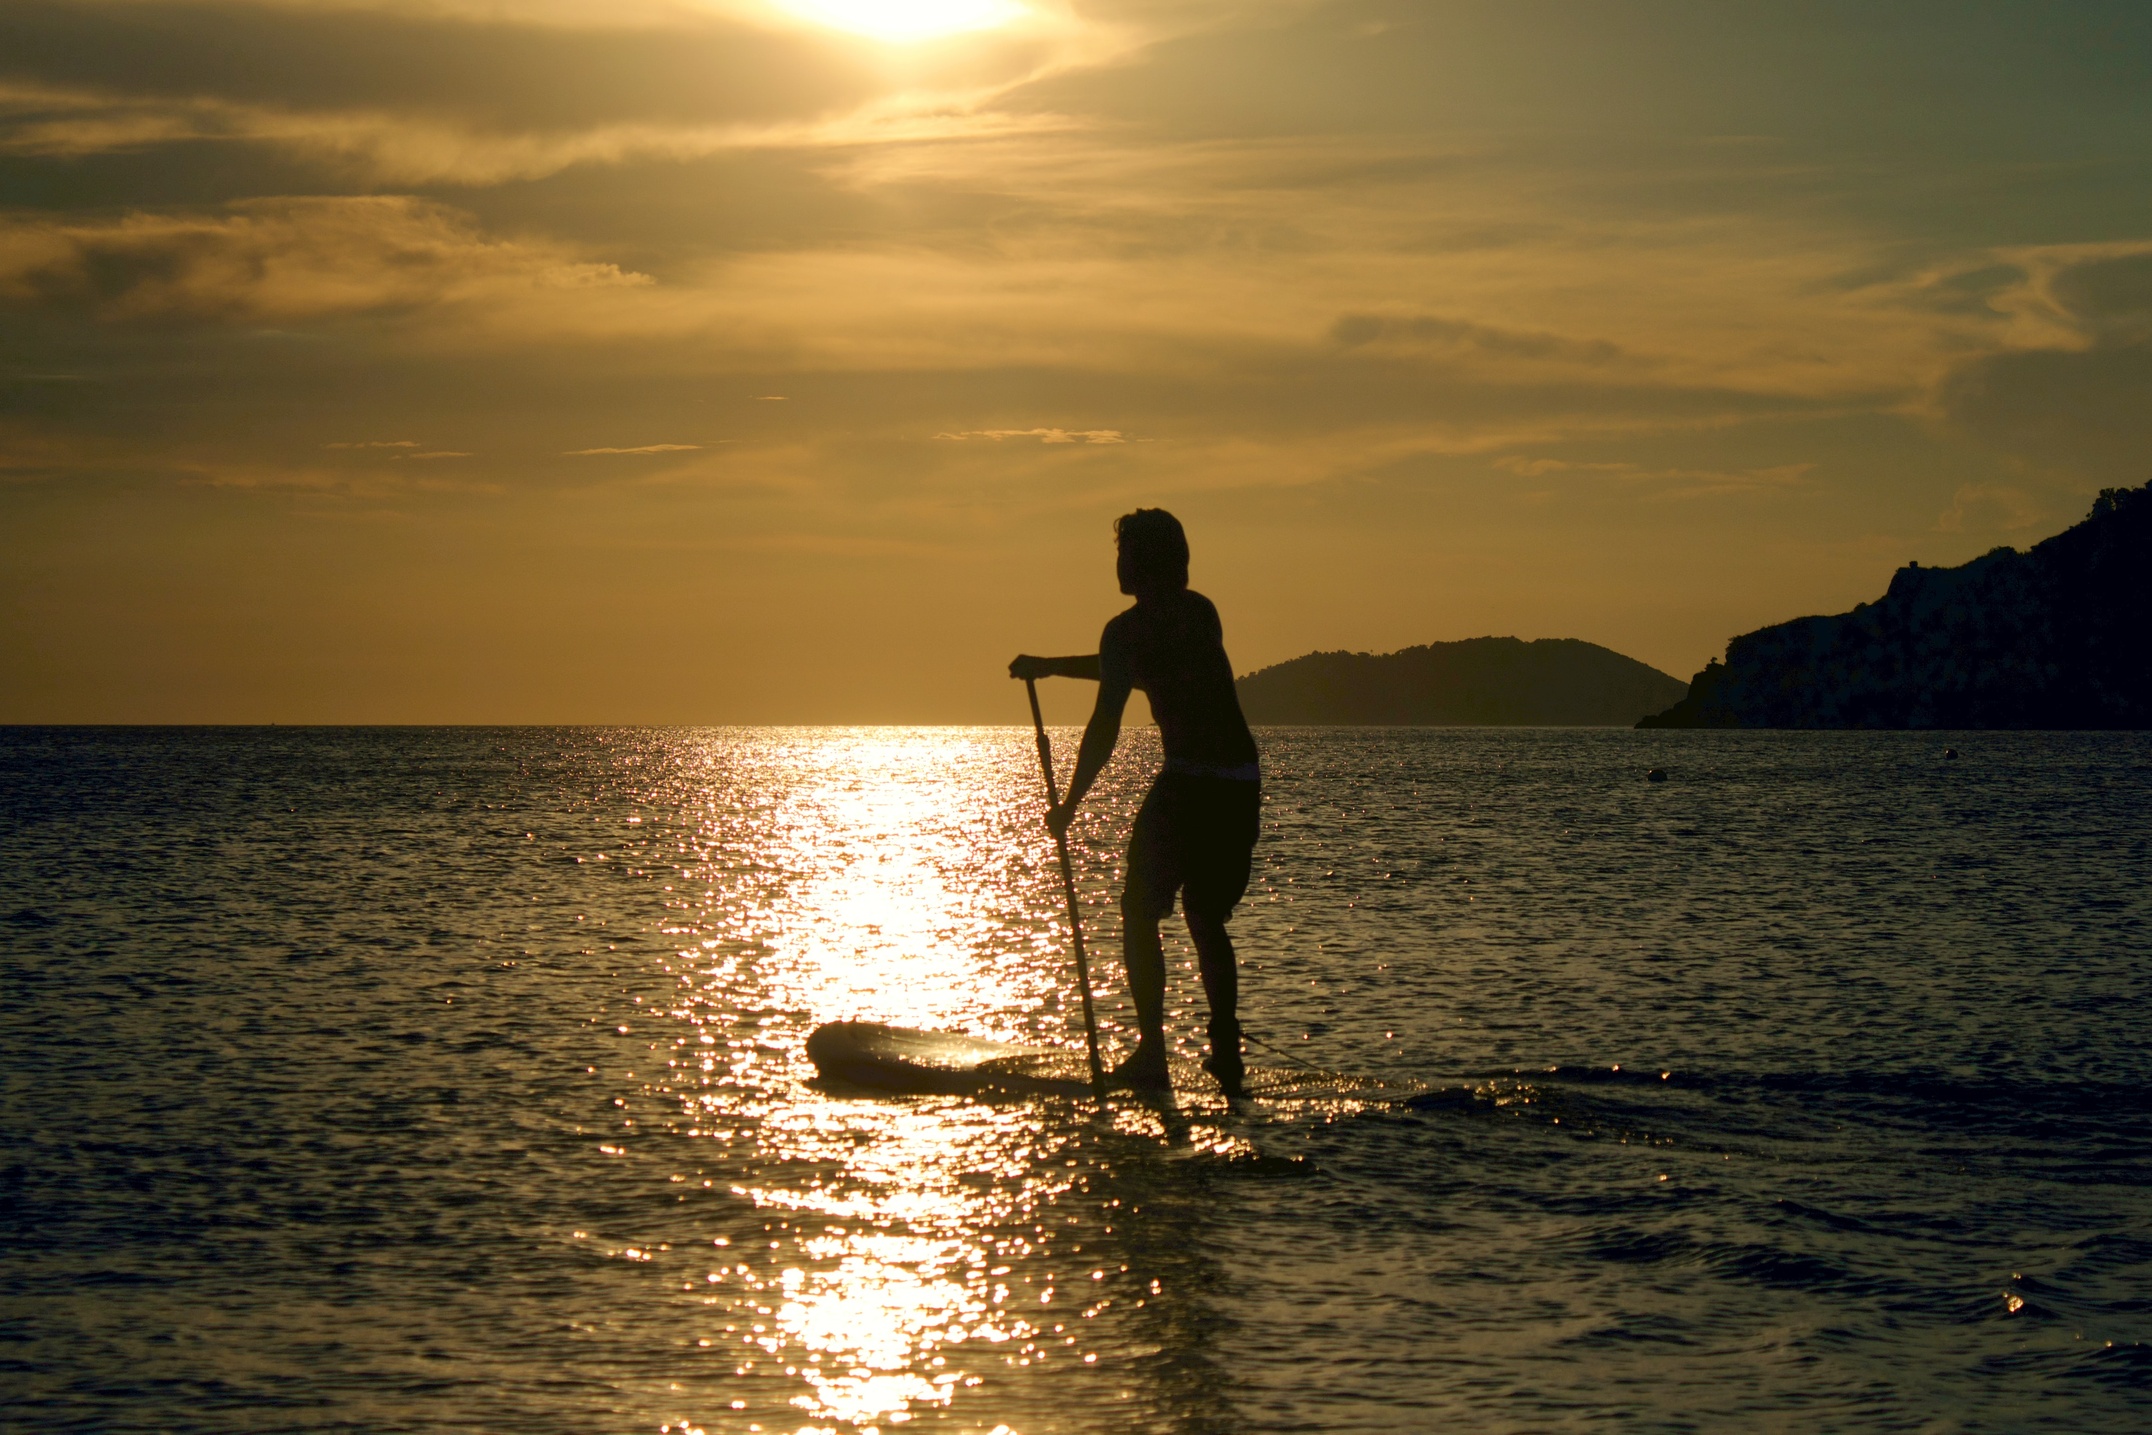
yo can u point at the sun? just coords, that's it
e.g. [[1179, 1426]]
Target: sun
[[903, 20]]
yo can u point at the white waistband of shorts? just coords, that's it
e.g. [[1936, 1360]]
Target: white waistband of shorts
[[1187, 767]]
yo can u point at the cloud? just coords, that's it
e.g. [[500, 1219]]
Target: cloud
[[1992, 508], [2073, 393], [2086, 410], [402, 449], [1974, 292], [2109, 296], [1355, 331], [1668, 482], [500, 70], [1540, 467], [1043, 435], [482, 93], [277, 260], [400, 147], [641, 448]]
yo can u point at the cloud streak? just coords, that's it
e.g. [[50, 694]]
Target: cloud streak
[[1669, 482], [277, 260], [2068, 390], [1354, 331], [393, 147], [1043, 435]]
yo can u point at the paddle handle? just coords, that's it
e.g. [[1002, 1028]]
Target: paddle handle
[[1068, 887]]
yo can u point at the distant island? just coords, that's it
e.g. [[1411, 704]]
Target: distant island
[[1480, 682], [2059, 636]]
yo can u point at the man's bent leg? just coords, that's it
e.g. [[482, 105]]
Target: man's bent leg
[[1216, 959], [1218, 862]]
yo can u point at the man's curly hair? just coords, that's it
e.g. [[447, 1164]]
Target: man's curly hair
[[1155, 547]]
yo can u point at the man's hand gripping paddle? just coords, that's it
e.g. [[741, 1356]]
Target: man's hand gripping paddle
[[1068, 886]]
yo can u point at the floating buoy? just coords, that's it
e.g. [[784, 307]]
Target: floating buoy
[[1657, 774], [1950, 754]]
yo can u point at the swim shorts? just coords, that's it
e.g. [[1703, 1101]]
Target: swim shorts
[[1195, 836]]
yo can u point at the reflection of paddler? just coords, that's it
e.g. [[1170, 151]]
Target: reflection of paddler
[[1195, 833]]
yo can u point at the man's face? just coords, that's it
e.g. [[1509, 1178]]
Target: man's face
[[1123, 571]]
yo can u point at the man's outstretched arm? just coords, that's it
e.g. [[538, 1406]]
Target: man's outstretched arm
[[1026, 666]]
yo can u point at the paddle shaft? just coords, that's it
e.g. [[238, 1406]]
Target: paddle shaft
[[1068, 887]]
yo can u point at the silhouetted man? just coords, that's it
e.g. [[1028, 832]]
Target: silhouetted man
[[1195, 834]]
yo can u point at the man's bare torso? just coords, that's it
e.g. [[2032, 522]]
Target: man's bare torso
[[1173, 650]]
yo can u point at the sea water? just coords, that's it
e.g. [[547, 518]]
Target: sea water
[[380, 1080]]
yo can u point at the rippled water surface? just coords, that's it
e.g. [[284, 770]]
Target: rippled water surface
[[454, 1079]]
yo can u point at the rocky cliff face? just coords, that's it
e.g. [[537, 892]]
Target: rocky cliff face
[[2059, 636]]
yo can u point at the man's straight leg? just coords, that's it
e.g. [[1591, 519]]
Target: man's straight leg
[[1145, 956], [1147, 896]]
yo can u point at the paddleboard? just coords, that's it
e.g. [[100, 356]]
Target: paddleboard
[[902, 1060]]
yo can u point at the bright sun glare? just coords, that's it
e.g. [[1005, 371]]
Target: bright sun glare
[[907, 19]]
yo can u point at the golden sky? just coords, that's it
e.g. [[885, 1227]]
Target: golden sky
[[623, 360]]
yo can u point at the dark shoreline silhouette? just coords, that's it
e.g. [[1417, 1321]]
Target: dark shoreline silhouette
[[1480, 682], [2058, 636]]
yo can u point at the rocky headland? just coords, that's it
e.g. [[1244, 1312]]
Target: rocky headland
[[2058, 636], [1493, 682]]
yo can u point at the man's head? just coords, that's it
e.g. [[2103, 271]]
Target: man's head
[[1154, 553]]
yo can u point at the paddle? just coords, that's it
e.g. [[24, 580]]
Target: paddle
[[1068, 886]]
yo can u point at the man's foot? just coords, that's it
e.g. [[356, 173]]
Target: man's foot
[[1224, 1063], [1144, 1070], [1231, 1074]]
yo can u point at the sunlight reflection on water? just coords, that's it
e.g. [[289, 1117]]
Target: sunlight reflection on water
[[893, 877]]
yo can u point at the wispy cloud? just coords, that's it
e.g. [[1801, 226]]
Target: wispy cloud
[[1043, 435], [402, 449], [1992, 507], [278, 260], [1359, 330], [1541, 467], [415, 147], [1670, 482], [639, 448]]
